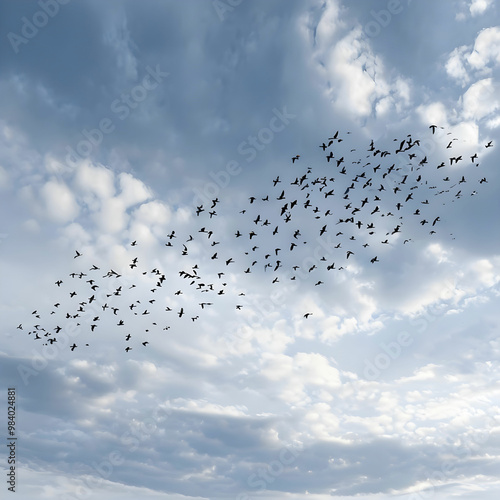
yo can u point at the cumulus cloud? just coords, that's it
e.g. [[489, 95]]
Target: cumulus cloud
[[482, 99], [434, 113], [295, 374], [95, 179], [357, 81], [112, 217], [486, 49], [478, 60], [59, 201], [478, 7], [153, 213], [133, 191], [455, 66]]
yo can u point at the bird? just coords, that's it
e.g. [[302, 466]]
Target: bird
[[308, 199]]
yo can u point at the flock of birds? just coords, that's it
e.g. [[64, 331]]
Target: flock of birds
[[349, 209]]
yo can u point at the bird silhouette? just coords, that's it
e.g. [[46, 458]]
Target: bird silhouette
[[369, 189]]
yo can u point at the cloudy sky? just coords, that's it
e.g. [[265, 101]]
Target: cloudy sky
[[119, 119]]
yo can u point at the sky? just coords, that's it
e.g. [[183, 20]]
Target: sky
[[122, 121]]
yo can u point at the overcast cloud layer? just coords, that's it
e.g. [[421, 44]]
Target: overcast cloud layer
[[118, 119]]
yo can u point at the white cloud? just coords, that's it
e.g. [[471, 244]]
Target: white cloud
[[466, 62], [153, 213], [112, 217], [426, 372], [486, 49], [322, 423], [434, 113], [315, 369], [493, 123], [330, 21], [478, 7], [481, 99], [481, 273], [333, 328], [204, 407], [149, 221], [76, 234], [455, 66], [59, 202], [293, 375], [95, 179], [355, 77], [133, 191], [464, 126]]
